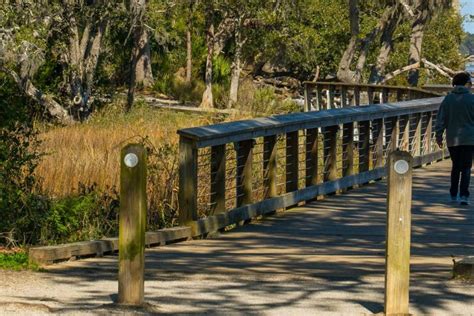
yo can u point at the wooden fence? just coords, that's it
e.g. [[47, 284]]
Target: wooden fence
[[234, 171], [329, 95]]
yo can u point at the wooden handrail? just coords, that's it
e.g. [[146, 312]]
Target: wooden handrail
[[223, 133], [357, 94], [234, 171]]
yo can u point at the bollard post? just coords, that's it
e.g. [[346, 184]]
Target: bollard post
[[133, 207], [397, 255]]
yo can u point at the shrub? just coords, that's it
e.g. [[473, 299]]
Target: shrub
[[17, 260], [90, 214], [21, 210], [264, 101]]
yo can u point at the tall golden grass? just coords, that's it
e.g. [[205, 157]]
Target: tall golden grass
[[88, 154]]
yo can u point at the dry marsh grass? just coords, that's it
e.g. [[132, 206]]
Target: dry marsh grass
[[88, 154]]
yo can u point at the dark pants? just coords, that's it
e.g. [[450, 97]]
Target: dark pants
[[462, 164]]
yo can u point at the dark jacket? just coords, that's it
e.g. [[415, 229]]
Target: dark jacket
[[456, 116]]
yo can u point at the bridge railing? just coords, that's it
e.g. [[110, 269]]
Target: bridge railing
[[330, 95], [234, 171]]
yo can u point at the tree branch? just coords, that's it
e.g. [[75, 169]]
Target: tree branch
[[27, 87]]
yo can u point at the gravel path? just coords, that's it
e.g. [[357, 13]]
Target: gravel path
[[326, 258]]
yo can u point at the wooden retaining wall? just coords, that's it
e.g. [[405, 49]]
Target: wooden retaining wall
[[52, 254]]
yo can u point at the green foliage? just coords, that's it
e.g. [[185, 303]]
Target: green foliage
[[188, 92], [467, 47], [88, 215], [21, 210], [264, 101], [16, 261]]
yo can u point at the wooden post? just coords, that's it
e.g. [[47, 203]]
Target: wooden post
[[378, 140], [427, 146], [357, 96], [394, 133], [331, 91], [405, 132], [365, 154], [132, 225], [270, 166], [218, 182], [330, 153], [292, 152], [416, 136], [344, 99], [399, 95], [312, 144], [319, 98], [348, 149], [307, 98], [244, 172], [397, 261], [188, 160], [370, 94], [385, 95]]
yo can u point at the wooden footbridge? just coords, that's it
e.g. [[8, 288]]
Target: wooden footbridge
[[320, 175]]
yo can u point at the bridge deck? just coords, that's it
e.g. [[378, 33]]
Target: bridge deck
[[324, 258]]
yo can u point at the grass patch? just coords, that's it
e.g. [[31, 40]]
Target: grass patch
[[16, 261]]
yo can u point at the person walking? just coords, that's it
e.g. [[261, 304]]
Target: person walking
[[456, 117]]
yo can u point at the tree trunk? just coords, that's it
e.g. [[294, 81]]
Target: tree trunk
[[189, 44], [236, 65], [143, 71], [207, 98], [416, 41], [46, 101], [140, 61], [83, 56], [357, 74], [344, 72], [388, 28], [189, 55]]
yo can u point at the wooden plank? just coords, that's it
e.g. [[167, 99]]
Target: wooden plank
[[218, 180], [187, 194], [270, 166], [365, 154], [244, 172], [330, 153], [292, 152], [132, 225], [52, 254], [312, 154], [431, 157], [397, 254], [281, 124]]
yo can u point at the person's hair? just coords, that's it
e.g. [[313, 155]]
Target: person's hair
[[461, 79]]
